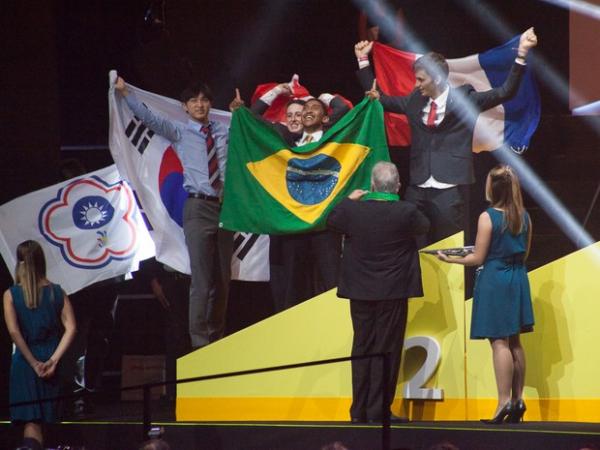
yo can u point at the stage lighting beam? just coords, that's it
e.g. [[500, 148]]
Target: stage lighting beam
[[530, 181]]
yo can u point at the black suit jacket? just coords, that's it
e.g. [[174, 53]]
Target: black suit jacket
[[338, 109], [380, 259], [445, 151]]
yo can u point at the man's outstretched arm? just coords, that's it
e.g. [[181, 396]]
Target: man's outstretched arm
[[365, 76], [493, 97], [261, 105], [158, 124]]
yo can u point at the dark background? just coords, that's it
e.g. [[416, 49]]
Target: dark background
[[59, 53], [56, 56]]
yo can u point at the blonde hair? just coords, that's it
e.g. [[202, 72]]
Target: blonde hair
[[503, 190], [30, 271]]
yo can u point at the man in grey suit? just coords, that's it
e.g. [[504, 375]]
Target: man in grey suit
[[442, 120], [380, 270]]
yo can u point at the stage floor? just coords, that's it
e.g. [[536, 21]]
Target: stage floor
[[127, 434]]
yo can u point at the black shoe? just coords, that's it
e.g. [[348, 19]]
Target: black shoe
[[502, 414], [393, 420], [82, 408], [516, 414], [358, 420]]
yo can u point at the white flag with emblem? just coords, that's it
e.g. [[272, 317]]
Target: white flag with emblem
[[90, 229]]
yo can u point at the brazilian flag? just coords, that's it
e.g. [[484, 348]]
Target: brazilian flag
[[273, 189]]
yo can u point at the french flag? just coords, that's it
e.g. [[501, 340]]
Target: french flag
[[512, 123]]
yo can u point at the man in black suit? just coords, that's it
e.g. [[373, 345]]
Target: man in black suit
[[380, 270], [308, 262], [442, 120]]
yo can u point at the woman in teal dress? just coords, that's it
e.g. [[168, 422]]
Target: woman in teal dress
[[501, 299], [41, 324]]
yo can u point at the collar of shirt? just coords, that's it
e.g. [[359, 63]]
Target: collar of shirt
[[197, 126], [316, 136], [440, 102]]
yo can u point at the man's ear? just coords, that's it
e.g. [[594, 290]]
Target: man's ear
[[185, 108], [325, 119]]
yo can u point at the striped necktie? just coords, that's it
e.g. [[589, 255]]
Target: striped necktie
[[308, 139], [211, 157]]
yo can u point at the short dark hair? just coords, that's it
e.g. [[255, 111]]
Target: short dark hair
[[194, 90], [434, 64], [295, 101], [321, 102]]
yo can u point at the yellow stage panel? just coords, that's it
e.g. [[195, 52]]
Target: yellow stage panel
[[564, 295]]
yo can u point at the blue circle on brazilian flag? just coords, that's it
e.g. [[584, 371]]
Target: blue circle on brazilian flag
[[310, 181]]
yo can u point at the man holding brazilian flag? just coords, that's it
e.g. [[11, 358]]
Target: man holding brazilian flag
[[286, 192], [274, 189]]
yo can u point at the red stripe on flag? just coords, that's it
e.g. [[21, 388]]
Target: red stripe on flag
[[170, 163], [395, 76]]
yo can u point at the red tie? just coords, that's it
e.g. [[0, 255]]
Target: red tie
[[211, 154], [432, 115]]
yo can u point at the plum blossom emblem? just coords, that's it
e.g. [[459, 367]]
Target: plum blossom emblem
[[92, 222]]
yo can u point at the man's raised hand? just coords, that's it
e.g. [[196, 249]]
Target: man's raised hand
[[357, 194], [362, 49], [120, 86], [284, 88], [236, 102], [373, 94], [527, 41]]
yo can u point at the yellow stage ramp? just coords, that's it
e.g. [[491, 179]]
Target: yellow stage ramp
[[564, 301]]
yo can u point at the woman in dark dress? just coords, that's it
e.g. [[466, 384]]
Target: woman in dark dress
[[501, 298], [41, 324]]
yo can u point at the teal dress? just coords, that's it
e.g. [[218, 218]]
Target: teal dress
[[501, 297], [41, 328]]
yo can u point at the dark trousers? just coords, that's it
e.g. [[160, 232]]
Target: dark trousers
[[445, 209], [210, 249], [177, 341], [92, 307], [379, 327], [303, 266]]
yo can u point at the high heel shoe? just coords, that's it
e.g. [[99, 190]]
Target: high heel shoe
[[499, 418], [517, 411]]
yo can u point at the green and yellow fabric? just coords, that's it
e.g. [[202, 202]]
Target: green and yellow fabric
[[271, 188]]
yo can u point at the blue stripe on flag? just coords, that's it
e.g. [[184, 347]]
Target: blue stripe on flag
[[522, 113]]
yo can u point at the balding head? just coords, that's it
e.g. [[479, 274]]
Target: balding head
[[385, 178]]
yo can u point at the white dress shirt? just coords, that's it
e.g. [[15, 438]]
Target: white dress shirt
[[316, 136], [440, 101]]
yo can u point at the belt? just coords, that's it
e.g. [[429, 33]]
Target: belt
[[210, 198], [514, 260]]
